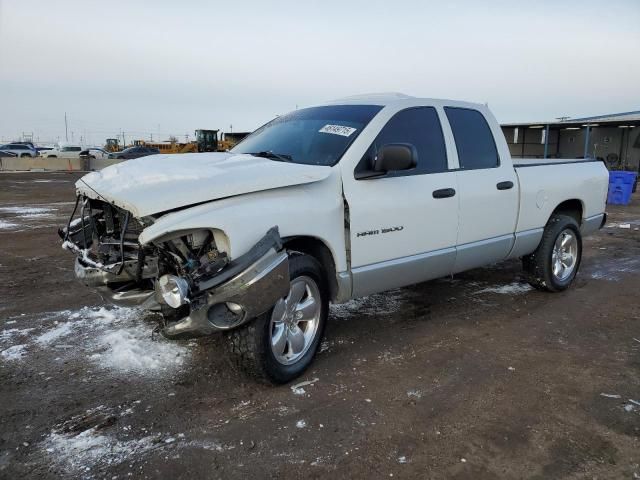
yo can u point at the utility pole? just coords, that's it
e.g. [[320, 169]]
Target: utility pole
[[66, 127]]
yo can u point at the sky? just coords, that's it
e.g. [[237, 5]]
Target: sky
[[168, 67]]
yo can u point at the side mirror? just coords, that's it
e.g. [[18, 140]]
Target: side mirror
[[395, 156]]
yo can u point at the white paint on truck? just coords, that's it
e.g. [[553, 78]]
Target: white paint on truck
[[241, 196]]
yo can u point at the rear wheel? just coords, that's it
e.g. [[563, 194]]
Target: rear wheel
[[280, 345], [554, 264]]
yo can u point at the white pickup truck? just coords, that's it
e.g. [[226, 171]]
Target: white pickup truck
[[322, 205]]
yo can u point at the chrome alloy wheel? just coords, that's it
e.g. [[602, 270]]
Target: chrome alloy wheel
[[564, 255], [295, 320]]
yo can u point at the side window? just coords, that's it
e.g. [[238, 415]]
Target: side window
[[474, 140], [419, 127]]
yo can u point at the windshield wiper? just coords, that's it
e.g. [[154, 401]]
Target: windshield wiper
[[274, 156]]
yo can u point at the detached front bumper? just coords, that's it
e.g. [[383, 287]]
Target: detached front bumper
[[246, 288], [250, 293]]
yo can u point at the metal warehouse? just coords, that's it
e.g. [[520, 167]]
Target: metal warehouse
[[614, 138]]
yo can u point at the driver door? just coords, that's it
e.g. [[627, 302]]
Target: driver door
[[404, 224]]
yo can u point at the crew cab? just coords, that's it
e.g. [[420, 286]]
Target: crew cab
[[326, 204]]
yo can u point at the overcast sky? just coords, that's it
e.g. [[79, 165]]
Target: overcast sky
[[174, 66]]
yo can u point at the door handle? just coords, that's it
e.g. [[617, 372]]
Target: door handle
[[504, 185], [444, 193]]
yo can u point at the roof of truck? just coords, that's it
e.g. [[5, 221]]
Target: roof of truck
[[391, 98]]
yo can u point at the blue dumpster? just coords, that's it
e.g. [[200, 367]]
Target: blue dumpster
[[620, 187]]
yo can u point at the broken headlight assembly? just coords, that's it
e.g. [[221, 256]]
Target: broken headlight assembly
[[173, 290], [188, 258]]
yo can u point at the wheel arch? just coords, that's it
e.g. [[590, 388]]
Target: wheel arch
[[319, 250], [572, 207]]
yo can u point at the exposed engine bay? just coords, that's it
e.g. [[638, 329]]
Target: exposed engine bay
[[107, 238], [180, 274]]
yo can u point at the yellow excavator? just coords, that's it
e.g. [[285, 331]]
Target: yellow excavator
[[206, 141], [212, 141], [112, 145]]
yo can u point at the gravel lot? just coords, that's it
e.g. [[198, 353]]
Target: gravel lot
[[478, 376]]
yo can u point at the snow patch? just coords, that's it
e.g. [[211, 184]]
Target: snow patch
[[386, 303], [414, 394], [117, 339], [26, 210], [610, 395], [132, 350], [208, 445], [15, 352], [90, 449], [61, 330], [9, 333], [514, 288], [613, 269], [4, 225]]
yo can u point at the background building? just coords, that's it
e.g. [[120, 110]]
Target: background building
[[614, 138]]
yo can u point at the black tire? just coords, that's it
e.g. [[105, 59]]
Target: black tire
[[538, 265], [250, 345], [52, 156], [25, 155]]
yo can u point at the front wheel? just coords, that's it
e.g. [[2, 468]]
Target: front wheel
[[280, 345], [554, 264]]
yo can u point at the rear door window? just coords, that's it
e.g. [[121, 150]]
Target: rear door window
[[419, 127], [474, 140]]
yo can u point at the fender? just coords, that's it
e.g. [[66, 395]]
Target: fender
[[313, 209]]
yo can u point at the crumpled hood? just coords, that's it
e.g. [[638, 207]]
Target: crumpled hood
[[158, 183]]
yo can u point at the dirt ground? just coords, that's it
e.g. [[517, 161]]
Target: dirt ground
[[478, 376]]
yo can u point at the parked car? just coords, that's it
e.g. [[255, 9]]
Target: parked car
[[20, 149], [5, 154], [94, 152], [321, 205], [65, 151], [134, 152]]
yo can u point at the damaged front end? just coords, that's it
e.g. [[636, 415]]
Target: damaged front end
[[187, 275]]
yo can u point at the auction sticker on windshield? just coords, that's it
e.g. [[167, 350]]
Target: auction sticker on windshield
[[337, 130]]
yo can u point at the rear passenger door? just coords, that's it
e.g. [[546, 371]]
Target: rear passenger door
[[403, 225], [488, 192]]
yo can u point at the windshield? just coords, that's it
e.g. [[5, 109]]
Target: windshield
[[313, 136]]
